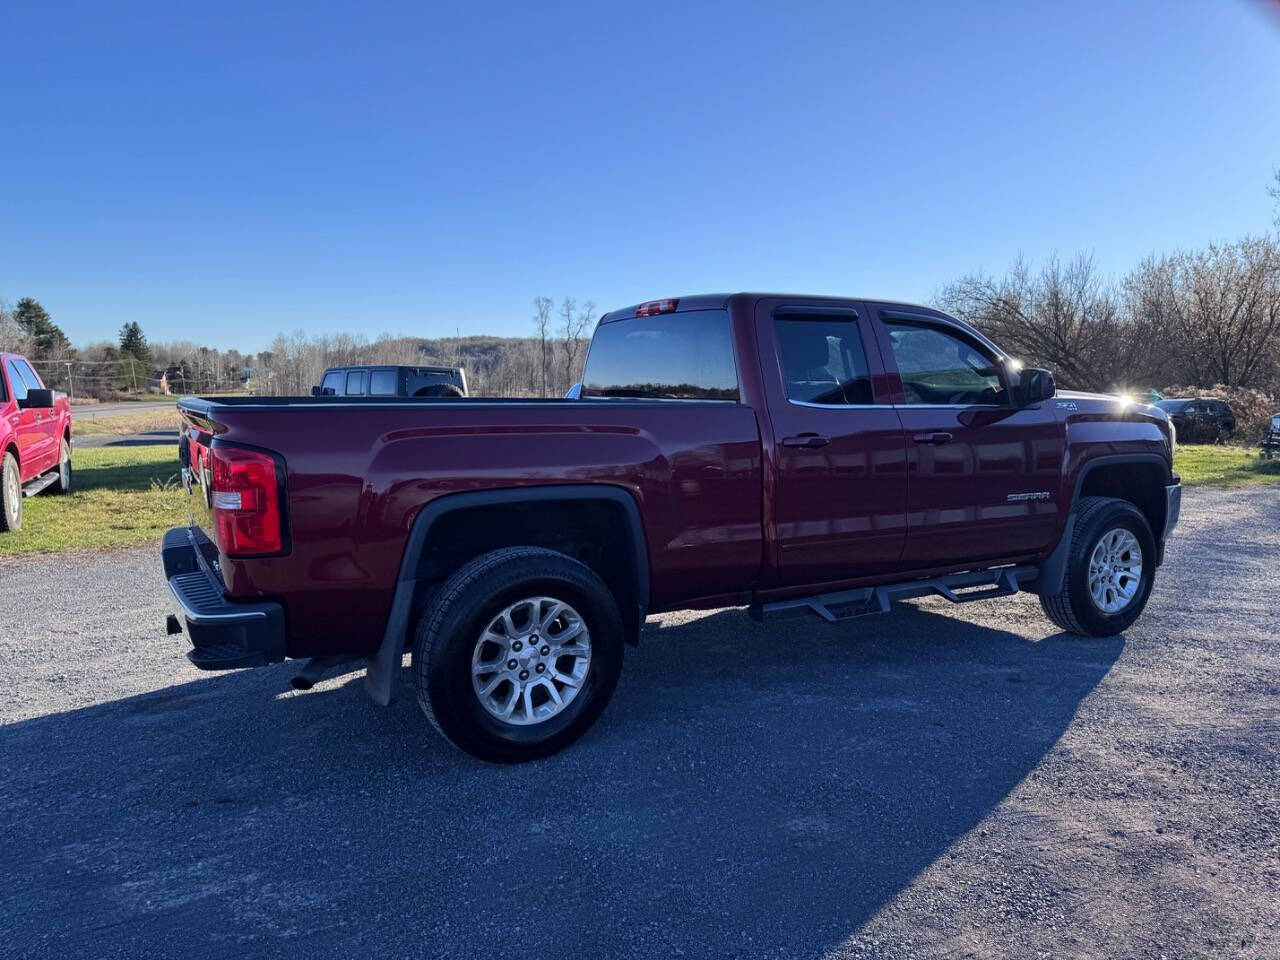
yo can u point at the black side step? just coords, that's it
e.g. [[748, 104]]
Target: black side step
[[847, 604], [40, 483]]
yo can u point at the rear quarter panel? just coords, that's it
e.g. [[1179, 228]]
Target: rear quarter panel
[[358, 475]]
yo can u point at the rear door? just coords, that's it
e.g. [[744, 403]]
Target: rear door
[[840, 456], [983, 475]]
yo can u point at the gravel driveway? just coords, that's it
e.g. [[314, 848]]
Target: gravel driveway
[[944, 781]]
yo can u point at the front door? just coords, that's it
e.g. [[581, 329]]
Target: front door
[[983, 474], [840, 459], [28, 425]]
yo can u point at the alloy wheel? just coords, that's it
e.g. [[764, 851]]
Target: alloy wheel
[[1115, 571], [531, 661]]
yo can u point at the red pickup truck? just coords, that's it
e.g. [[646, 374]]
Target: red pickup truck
[[35, 438], [783, 453]]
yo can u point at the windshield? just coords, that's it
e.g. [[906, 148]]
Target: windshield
[[1172, 406]]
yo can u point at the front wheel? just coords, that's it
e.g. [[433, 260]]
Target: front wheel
[[10, 494], [1110, 569], [517, 654]]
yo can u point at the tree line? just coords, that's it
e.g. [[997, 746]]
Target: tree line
[[1206, 319]]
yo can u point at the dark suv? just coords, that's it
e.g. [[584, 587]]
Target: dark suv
[[1200, 418], [392, 382]]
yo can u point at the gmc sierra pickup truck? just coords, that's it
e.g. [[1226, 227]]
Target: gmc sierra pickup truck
[[35, 438], [782, 453]]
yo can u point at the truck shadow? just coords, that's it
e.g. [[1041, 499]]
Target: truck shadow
[[753, 790]]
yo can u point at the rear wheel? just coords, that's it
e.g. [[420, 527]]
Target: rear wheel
[[63, 483], [10, 494], [1110, 569], [517, 654]]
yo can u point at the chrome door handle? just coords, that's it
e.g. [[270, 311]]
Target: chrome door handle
[[806, 441], [933, 438]]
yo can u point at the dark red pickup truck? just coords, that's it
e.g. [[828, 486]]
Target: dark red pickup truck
[[783, 453]]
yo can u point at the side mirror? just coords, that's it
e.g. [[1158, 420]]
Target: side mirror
[[1035, 386], [37, 398], [317, 392]]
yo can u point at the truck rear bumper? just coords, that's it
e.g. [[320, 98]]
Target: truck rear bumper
[[224, 634]]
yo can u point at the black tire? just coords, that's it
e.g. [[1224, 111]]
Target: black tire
[[10, 494], [440, 390], [1072, 608], [457, 616], [63, 484]]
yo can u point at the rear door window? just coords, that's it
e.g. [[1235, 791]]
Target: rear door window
[[382, 383], [823, 360], [355, 383], [674, 356]]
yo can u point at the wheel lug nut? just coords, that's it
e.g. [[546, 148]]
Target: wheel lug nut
[[541, 668], [544, 651], [524, 674], [517, 646], [511, 664]]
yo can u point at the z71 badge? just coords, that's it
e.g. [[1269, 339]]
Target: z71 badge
[[1067, 405]]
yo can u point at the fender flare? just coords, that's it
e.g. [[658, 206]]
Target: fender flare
[[383, 667], [1054, 567]]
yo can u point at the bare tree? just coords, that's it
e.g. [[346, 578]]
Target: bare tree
[[1222, 307], [575, 324], [1065, 317], [1274, 191], [542, 322], [12, 337]]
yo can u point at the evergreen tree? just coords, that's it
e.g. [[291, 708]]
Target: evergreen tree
[[134, 343], [37, 324]]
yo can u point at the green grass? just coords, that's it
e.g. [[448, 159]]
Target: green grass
[[120, 496], [1223, 466], [143, 422]]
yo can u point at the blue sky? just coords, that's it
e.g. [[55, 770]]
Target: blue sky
[[227, 173]]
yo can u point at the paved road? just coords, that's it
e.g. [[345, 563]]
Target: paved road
[[152, 438], [940, 782], [95, 411]]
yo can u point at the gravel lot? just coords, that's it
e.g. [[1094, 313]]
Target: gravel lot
[[943, 781]]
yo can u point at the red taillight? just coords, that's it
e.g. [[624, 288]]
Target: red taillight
[[654, 307], [246, 501]]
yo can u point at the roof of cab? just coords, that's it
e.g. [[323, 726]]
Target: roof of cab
[[718, 301]]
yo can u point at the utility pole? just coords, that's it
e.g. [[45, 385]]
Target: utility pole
[[133, 372], [71, 387]]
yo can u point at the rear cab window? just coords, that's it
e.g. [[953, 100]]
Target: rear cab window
[[672, 356]]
